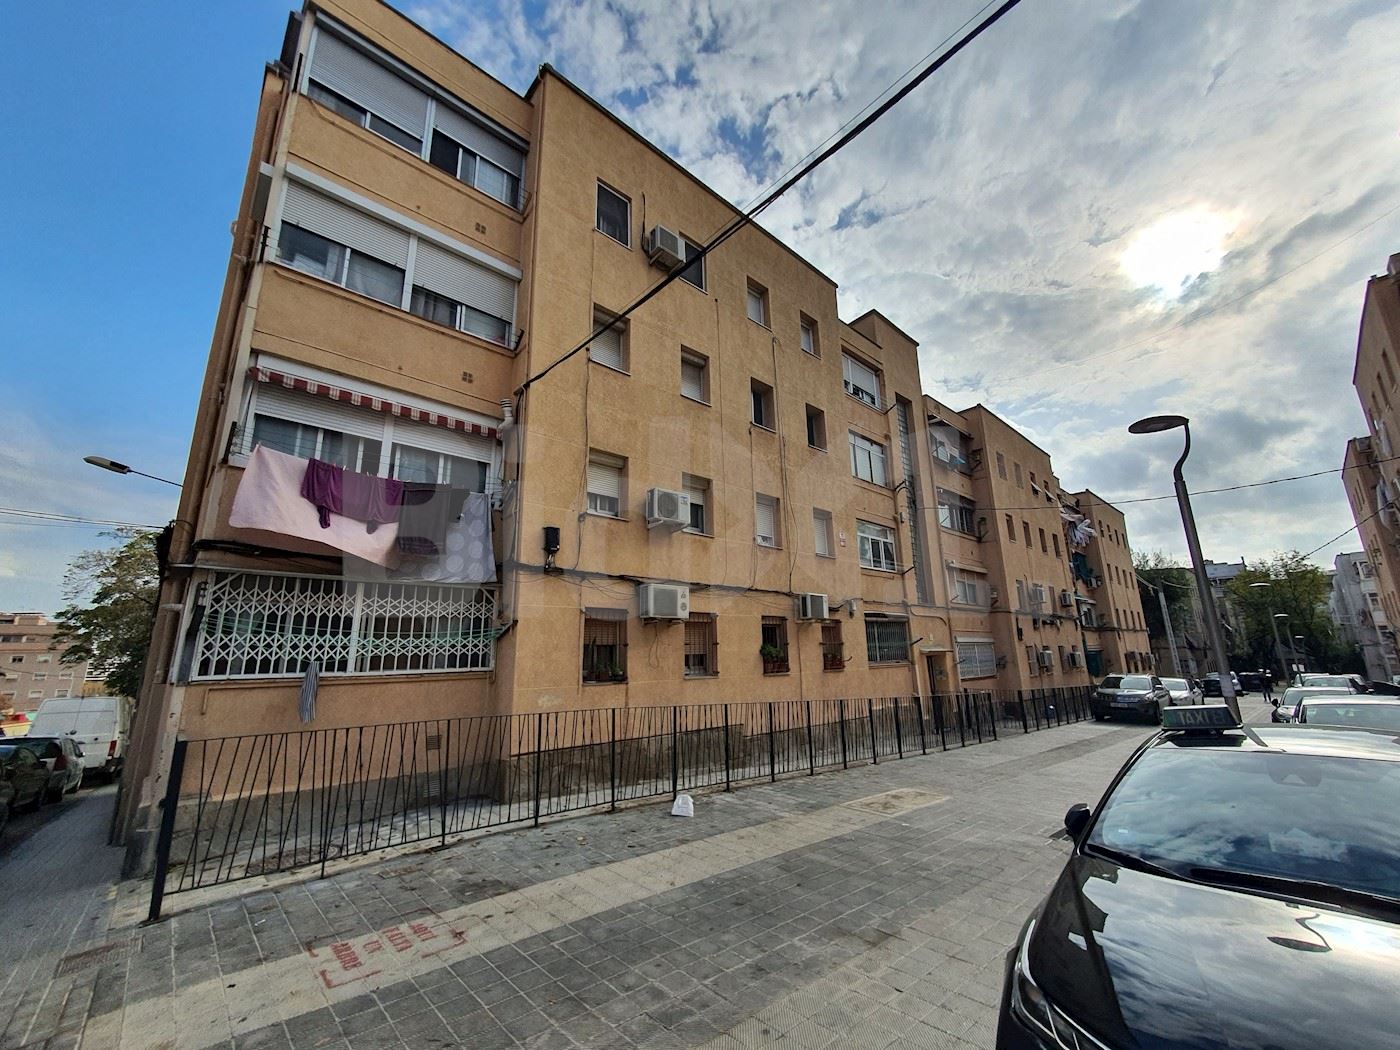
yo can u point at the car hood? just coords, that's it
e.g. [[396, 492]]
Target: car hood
[[1154, 963]]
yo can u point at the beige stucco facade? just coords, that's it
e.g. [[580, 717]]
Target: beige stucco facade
[[1120, 632]]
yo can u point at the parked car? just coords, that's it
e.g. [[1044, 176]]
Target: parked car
[[1221, 863], [62, 757], [1286, 706], [1353, 711], [1210, 684], [1130, 694], [98, 724], [1251, 681], [23, 780], [1343, 681], [1182, 690]]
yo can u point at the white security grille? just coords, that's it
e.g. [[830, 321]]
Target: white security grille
[[257, 625]]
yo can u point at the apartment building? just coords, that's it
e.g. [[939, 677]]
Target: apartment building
[[1355, 605], [31, 663], [719, 497], [1116, 632]]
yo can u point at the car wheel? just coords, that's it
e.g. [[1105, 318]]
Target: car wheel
[[1154, 714]]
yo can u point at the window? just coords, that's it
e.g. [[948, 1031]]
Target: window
[[1026, 531], [1021, 605], [1017, 468], [324, 258], [701, 646], [766, 521], [1034, 487], [606, 480], [807, 336], [816, 428], [1037, 596], [416, 459], [833, 654], [698, 489], [40, 676], [757, 303], [821, 528], [950, 446], [312, 442], [1055, 539], [1001, 466], [34, 694], [614, 215], [957, 513], [695, 376], [1043, 548], [605, 645], [44, 658], [877, 548], [965, 587], [861, 381], [886, 640], [609, 347], [60, 693], [763, 412], [16, 659], [694, 271], [867, 459], [499, 180], [1032, 661], [773, 645], [977, 658], [1010, 529], [450, 313]]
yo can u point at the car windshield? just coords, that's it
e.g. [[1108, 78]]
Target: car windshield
[[1328, 680], [1305, 817], [1177, 685], [1298, 693], [1130, 681], [1358, 716]]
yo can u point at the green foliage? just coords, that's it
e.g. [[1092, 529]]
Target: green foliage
[[1297, 588], [1176, 583], [112, 593]]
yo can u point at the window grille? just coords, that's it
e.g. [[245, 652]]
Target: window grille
[[833, 651], [774, 645], [701, 646], [886, 641], [604, 645], [976, 659]]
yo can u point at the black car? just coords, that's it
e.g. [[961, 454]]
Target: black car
[[24, 780], [1234, 888], [1210, 684]]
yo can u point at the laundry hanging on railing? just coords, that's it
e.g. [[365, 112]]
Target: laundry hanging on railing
[[426, 512], [269, 499]]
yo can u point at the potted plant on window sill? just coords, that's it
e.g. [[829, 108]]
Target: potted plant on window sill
[[832, 662], [618, 674], [774, 659]]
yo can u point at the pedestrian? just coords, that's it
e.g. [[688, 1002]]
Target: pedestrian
[[1267, 679]]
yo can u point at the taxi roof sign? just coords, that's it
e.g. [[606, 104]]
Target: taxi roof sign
[[1200, 716]]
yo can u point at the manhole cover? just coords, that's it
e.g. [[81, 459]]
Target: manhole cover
[[900, 800], [103, 953]]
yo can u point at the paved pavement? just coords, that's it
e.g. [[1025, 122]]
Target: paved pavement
[[869, 907]]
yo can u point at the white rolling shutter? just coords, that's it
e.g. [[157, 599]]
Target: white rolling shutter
[[821, 522], [465, 281], [692, 378], [607, 348], [440, 439], [317, 411], [360, 79], [605, 476], [318, 213], [766, 520], [480, 141]]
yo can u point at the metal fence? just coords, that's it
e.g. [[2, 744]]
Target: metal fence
[[241, 806]]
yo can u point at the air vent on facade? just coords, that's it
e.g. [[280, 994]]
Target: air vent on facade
[[811, 607], [667, 507], [1067, 599], [665, 248], [663, 601], [1047, 658]]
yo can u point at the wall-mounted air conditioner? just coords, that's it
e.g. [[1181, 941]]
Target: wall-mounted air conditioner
[[1076, 659], [1047, 658], [1067, 599], [665, 248], [663, 601], [811, 607], [667, 508]]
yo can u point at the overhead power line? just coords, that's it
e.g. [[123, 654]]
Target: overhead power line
[[746, 218], [50, 516], [1343, 533]]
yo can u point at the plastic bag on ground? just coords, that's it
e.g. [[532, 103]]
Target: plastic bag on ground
[[684, 806]]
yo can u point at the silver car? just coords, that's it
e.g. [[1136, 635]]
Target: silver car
[[1130, 694], [1182, 691], [1354, 711], [1286, 707]]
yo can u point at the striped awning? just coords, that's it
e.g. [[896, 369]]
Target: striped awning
[[368, 401]]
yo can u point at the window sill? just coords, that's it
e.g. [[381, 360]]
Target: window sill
[[697, 532], [606, 517], [611, 368], [874, 485], [610, 682], [700, 677], [767, 546], [695, 400], [891, 663], [816, 448], [759, 426], [879, 572], [867, 404], [621, 244], [762, 324]]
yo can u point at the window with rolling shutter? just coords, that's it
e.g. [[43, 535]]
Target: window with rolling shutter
[[382, 93], [462, 294], [469, 152], [606, 475], [313, 211], [604, 645], [821, 526], [766, 521], [695, 377], [861, 381], [701, 646], [698, 489], [609, 347]]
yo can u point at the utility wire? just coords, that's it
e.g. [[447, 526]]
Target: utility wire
[[1343, 533], [747, 218], [43, 515]]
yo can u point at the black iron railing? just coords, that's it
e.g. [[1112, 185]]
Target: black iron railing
[[242, 806]]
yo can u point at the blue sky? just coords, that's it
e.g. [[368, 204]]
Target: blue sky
[[1090, 176]]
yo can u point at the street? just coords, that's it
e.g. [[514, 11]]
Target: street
[[871, 907]]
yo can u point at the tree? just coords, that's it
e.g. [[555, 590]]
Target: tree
[[1156, 569], [1298, 589], [112, 594]]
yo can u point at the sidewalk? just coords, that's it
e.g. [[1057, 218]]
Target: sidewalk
[[869, 907]]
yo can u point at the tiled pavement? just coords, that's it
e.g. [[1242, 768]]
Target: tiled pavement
[[780, 915]]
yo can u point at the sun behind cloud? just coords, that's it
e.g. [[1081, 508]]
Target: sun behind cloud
[[1177, 249]]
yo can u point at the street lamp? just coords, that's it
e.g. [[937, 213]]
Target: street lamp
[[1273, 622], [1156, 425], [1167, 620], [122, 468]]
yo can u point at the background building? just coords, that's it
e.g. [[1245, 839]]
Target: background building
[[1360, 618], [31, 664]]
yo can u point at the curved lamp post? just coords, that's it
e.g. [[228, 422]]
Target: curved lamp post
[[1273, 622], [1156, 425], [122, 468]]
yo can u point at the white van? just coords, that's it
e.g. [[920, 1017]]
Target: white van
[[98, 724]]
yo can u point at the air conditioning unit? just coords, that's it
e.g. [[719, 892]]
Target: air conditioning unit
[[811, 607], [1047, 658], [669, 508], [1067, 599], [1076, 658], [665, 248], [663, 601]]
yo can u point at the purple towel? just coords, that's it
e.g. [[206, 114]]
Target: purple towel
[[323, 485], [370, 499]]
